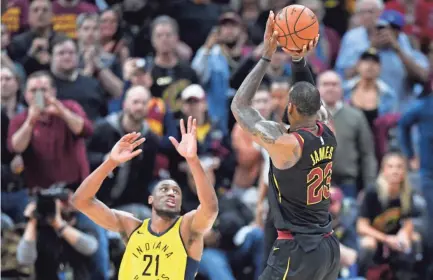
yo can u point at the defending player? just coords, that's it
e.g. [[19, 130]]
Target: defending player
[[300, 171], [167, 246]]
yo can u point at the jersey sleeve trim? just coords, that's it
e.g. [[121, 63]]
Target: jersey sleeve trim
[[299, 138]]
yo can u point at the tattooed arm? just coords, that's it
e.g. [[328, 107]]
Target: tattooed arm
[[264, 132]]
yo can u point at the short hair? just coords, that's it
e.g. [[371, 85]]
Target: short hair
[[306, 98], [40, 74], [61, 40], [379, 4], [86, 16], [164, 19]]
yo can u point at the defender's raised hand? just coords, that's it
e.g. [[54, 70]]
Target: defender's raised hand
[[124, 148], [188, 144], [270, 40]]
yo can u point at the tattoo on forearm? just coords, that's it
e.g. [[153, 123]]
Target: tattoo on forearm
[[245, 115]]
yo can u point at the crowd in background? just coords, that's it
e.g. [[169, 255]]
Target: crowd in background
[[76, 75]]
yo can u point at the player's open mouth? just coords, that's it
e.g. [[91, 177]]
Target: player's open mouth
[[170, 202]]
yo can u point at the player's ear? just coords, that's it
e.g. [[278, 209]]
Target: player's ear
[[290, 108], [150, 200]]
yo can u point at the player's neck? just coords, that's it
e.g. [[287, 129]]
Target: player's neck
[[160, 224], [309, 124], [167, 60]]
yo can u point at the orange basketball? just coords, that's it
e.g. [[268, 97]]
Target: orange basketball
[[296, 25]]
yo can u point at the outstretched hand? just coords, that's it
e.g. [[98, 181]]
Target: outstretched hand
[[297, 54], [124, 148], [188, 144], [270, 40]]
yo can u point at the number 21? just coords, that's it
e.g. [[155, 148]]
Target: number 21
[[318, 184], [149, 259]]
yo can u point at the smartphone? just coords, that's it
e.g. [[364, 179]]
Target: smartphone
[[40, 99]]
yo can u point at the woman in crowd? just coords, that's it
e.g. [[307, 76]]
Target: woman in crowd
[[388, 239]]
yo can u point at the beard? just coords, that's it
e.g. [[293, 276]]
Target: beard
[[167, 214]]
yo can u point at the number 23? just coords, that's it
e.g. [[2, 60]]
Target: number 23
[[318, 184]]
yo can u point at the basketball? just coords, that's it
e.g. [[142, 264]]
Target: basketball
[[297, 26]]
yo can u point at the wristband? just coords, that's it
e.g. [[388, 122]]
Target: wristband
[[265, 59]]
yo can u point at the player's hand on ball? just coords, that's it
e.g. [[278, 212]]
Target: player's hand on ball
[[305, 49], [188, 144], [124, 149], [270, 41]]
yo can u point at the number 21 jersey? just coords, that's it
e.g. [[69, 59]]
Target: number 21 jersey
[[152, 256], [299, 196]]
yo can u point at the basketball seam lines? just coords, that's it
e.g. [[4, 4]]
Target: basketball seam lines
[[282, 30], [296, 32], [294, 26], [302, 29]]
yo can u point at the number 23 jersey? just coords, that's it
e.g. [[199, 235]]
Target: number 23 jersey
[[299, 196], [152, 256]]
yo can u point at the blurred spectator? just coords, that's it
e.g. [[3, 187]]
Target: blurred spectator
[[14, 195], [86, 91], [15, 16], [214, 148], [325, 54], [399, 63], [32, 48], [129, 185], [344, 213], [5, 59], [66, 13], [89, 48], [417, 15], [111, 35], [385, 223], [248, 155], [200, 16], [280, 98], [50, 136], [367, 92], [55, 244], [338, 14], [136, 72], [232, 243], [170, 75], [420, 114], [355, 151], [215, 61], [278, 69]]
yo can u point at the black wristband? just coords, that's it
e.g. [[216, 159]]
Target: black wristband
[[266, 59]]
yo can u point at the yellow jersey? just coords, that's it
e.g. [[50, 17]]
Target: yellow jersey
[[152, 256]]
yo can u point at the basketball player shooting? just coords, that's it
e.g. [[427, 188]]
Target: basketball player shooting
[[167, 246], [300, 171]]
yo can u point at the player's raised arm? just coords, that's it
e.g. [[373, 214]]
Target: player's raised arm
[[205, 215], [84, 197], [250, 119]]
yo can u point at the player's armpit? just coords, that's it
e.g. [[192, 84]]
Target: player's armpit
[[265, 133], [286, 151]]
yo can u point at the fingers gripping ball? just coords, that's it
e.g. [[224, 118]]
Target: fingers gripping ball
[[297, 26]]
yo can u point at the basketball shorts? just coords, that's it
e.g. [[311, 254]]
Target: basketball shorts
[[288, 261]]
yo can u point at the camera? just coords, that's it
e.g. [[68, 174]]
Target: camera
[[46, 202]]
